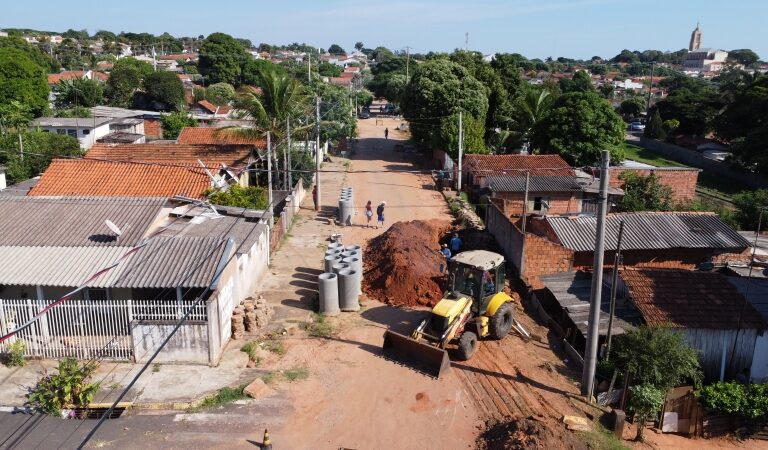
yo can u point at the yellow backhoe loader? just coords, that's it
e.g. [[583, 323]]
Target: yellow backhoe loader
[[473, 307]]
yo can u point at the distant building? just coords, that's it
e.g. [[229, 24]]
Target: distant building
[[705, 60], [695, 43], [86, 130]]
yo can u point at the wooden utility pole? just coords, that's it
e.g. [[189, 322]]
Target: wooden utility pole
[[289, 176], [269, 172], [525, 214], [461, 151]]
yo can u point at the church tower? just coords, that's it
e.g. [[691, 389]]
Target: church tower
[[695, 39]]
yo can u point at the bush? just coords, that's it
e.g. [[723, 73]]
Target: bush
[[750, 401], [68, 388], [14, 356], [252, 197], [645, 401]]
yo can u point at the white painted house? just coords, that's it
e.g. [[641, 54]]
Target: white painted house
[[86, 130]]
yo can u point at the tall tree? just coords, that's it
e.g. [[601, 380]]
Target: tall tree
[[529, 109], [644, 193], [221, 59], [578, 127], [336, 49], [166, 89], [22, 80], [581, 82], [78, 92], [655, 127], [174, 122], [126, 78], [359, 46], [744, 56], [632, 107]]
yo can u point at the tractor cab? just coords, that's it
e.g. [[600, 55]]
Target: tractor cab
[[477, 274]]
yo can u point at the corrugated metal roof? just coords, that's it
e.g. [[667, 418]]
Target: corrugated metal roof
[[572, 291], [648, 231], [173, 261], [754, 290], [75, 221], [504, 183], [58, 266]]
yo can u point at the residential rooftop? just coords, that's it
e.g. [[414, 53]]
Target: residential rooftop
[[540, 165], [175, 154], [87, 122], [213, 136]]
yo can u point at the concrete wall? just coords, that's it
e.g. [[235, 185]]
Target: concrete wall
[[682, 180], [188, 345], [696, 159]]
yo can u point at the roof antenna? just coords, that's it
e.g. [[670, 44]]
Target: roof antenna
[[115, 229], [216, 183]]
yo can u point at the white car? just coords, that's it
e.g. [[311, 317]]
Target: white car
[[637, 126]]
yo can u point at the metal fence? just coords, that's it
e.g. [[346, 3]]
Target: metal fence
[[87, 329]]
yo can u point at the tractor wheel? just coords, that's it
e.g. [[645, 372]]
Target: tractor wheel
[[501, 322], [467, 345]]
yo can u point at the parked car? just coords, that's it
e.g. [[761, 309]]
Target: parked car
[[637, 126], [364, 114]]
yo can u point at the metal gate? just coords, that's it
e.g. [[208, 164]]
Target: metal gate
[[85, 329]]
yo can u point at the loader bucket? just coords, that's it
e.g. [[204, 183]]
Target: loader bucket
[[421, 357]]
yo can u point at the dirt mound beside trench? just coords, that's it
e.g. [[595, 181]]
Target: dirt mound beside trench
[[402, 265], [528, 434]]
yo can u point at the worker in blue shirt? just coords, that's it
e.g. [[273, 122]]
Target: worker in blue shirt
[[455, 243], [446, 252]]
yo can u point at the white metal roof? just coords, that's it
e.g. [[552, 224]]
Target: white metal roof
[[481, 259], [58, 266]]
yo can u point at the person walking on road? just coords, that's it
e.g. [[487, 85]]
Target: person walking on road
[[386, 133], [380, 214], [314, 196], [455, 243], [368, 213]]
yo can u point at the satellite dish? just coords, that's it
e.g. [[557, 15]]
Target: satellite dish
[[113, 227]]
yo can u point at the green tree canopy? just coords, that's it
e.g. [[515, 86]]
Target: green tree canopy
[[220, 93], [581, 82], [327, 69], [655, 127], [39, 149], [474, 131], [645, 401], [644, 193], [656, 356], [632, 107], [22, 80], [749, 206], [335, 49], [252, 197], [174, 122], [125, 79], [578, 127], [78, 92], [440, 88], [221, 59], [40, 58], [743, 56], [529, 108], [166, 89]]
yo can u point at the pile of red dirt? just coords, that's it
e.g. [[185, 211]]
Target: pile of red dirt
[[528, 434], [402, 265]]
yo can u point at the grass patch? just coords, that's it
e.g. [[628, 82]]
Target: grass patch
[[318, 327], [223, 396], [250, 348], [296, 374], [269, 377], [639, 154], [602, 439], [274, 346]]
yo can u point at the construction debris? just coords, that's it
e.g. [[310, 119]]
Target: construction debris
[[402, 265], [528, 434], [251, 317]]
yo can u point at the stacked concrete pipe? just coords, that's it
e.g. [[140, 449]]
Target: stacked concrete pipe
[[328, 286], [348, 290], [346, 207]]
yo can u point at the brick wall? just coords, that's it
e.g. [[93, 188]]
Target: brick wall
[[682, 180], [664, 259], [559, 203]]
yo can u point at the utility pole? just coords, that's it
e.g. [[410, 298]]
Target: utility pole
[[593, 330], [269, 171], [466, 42], [318, 152], [461, 150], [614, 282], [650, 93], [288, 155], [309, 67], [525, 214], [407, 63]]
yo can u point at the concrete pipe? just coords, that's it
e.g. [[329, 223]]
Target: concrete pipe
[[328, 284], [336, 245], [329, 261], [348, 291], [356, 249], [347, 209], [338, 266], [356, 265]]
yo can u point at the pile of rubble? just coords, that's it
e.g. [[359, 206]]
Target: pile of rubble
[[251, 317]]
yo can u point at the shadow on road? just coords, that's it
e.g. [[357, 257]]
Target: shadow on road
[[399, 320]]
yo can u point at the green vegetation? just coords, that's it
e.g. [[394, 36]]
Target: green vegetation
[[249, 348], [125, 79], [644, 193], [639, 154], [22, 80], [164, 89], [69, 388], [319, 327], [220, 93], [14, 355], [174, 122], [296, 374], [602, 438], [223, 396], [252, 197], [645, 401], [78, 92], [39, 147], [749, 206], [269, 377], [221, 59], [748, 401], [274, 346]]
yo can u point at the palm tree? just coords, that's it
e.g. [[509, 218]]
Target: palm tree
[[529, 110]]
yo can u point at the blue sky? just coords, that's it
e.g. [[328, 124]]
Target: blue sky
[[535, 28]]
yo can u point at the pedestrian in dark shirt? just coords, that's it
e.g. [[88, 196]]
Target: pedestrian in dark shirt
[[380, 214], [386, 133], [455, 243], [314, 196]]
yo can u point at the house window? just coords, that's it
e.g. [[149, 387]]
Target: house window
[[540, 204], [72, 133], [96, 294], [86, 132], [61, 131]]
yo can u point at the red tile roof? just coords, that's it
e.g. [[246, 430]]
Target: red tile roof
[[182, 56], [54, 78], [83, 177], [215, 136], [689, 299], [101, 76], [175, 154], [539, 165], [213, 109]]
